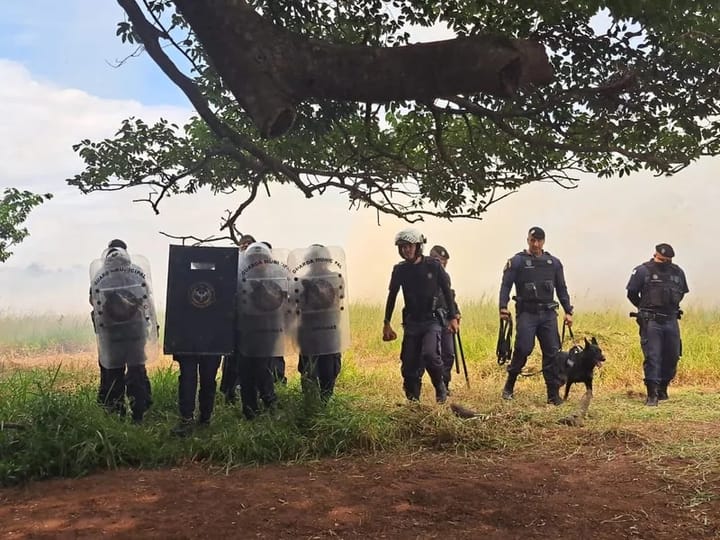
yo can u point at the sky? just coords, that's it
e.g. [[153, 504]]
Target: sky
[[61, 84]]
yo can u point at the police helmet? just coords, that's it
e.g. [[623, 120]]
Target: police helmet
[[409, 236], [116, 256], [258, 250]]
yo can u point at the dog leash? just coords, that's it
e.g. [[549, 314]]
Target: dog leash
[[570, 333], [503, 350]]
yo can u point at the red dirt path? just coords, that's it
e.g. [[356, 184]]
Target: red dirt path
[[428, 495]]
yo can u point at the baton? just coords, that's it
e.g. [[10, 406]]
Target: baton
[[459, 348]]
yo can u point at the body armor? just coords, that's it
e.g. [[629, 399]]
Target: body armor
[[536, 279], [663, 289]]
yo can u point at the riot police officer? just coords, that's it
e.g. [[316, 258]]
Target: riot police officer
[[125, 324], [447, 340], [199, 324], [261, 330], [422, 279], [537, 276], [656, 288], [320, 294]]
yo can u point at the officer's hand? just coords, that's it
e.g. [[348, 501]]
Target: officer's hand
[[568, 320], [388, 333], [454, 325], [505, 314]]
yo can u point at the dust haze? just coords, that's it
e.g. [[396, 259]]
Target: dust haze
[[600, 231]]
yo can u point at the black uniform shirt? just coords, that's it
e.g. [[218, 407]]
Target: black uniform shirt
[[421, 284]]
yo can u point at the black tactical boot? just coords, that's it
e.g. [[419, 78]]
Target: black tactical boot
[[652, 394], [412, 389], [441, 392], [553, 395], [662, 391], [507, 391], [183, 428]]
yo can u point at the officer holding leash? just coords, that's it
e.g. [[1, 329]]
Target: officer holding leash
[[656, 288], [537, 276]]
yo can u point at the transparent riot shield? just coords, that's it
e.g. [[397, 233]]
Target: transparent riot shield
[[264, 318], [319, 296], [123, 314]]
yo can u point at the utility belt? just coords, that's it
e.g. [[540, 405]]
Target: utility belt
[[659, 316], [414, 317], [524, 306]]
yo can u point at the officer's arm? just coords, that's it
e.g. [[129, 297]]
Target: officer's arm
[[561, 288], [444, 284], [454, 302], [634, 286], [508, 280], [392, 296], [684, 284]]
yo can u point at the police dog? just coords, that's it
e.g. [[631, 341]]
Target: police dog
[[578, 365]]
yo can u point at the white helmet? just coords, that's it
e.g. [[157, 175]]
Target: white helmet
[[409, 236], [258, 250]]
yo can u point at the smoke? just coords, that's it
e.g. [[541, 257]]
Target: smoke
[[600, 231]]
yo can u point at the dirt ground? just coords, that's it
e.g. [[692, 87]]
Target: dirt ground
[[428, 495]]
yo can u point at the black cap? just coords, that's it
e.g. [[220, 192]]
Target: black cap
[[537, 232], [440, 252], [117, 243], [665, 250]]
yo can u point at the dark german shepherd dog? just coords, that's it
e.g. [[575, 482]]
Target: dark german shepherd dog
[[578, 365]]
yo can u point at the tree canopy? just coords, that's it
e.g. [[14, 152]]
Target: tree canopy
[[302, 92], [15, 206]]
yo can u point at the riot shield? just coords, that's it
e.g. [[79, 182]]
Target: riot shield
[[319, 295], [200, 302], [264, 317], [123, 314]]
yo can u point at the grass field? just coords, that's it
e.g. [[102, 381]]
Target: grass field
[[66, 434]]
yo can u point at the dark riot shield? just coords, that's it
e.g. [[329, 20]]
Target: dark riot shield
[[123, 310], [264, 318], [319, 295], [200, 305]]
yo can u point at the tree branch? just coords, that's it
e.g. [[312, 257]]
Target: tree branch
[[270, 70]]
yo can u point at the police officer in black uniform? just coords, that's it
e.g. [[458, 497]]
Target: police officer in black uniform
[[194, 369], [447, 339], [421, 279], [537, 276], [656, 288]]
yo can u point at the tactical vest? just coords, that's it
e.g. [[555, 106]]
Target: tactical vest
[[663, 289], [535, 282], [420, 306]]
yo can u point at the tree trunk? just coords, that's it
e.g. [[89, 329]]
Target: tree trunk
[[269, 69]]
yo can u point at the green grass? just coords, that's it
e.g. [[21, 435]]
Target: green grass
[[22, 335], [67, 434]]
